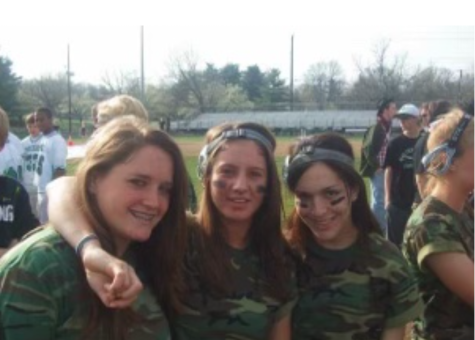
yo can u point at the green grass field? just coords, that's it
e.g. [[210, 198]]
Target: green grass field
[[191, 146]]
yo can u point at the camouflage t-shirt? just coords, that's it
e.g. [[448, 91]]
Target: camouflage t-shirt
[[41, 297], [353, 293], [435, 228], [247, 313]]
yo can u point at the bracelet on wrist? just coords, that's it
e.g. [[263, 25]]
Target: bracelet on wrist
[[84, 241]]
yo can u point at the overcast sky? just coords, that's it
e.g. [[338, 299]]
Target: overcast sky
[[262, 39]]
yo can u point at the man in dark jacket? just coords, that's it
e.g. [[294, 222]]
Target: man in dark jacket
[[373, 153]]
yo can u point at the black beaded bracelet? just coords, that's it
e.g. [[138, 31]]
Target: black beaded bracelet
[[83, 242]]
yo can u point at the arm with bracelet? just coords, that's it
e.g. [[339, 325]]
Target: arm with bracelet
[[113, 280]]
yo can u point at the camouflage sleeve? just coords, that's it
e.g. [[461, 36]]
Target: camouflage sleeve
[[405, 303], [285, 309], [27, 308], [435, 236]]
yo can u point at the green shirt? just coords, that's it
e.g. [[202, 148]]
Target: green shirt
[[247, 313], [41, 297], [435, 228], [353, 293]]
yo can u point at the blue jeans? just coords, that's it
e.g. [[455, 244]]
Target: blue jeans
[[377, 199]]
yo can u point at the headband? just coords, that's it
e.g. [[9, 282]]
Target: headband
[[310, 154], [449, 147], [225, 135]]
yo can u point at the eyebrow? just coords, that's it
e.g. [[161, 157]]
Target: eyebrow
[[147, 177], [331, 187]]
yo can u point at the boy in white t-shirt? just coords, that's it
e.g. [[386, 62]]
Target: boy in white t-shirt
[[31, 146], [50, 162]]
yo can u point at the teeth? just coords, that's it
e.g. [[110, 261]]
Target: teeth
[[142, 216]]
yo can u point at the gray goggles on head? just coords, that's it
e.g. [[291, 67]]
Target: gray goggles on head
[[449, 148], [310, 154], [226, 135]]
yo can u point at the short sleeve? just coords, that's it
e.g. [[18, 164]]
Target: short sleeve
[[390, 158], [405, 303], [286, 308], [60, 153], [435, 236]]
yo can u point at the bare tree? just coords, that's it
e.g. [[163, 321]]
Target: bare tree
[[383, 78]]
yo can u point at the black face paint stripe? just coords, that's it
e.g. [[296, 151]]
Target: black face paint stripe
[[219, 184], [262, 189], [338, 200], [301, 204]]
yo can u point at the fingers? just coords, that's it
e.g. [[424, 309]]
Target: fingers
[[113, 280]]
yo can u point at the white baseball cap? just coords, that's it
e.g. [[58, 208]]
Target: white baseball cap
[[407, 110]]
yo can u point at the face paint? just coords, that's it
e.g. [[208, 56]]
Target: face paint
[[261, 189], [301, 204], [337, 201], [220, 184]]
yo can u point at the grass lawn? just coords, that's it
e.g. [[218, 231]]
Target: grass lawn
[[192, 144]]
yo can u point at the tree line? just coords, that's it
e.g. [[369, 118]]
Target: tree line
[[190, 90]]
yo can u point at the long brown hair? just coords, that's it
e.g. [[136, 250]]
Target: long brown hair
[[266, 239], [297, 232], [160, 257]]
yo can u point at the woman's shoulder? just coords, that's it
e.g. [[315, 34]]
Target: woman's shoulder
[[384, 257], [39, 250]]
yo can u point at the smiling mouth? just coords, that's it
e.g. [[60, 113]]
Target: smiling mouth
[[142, 216]]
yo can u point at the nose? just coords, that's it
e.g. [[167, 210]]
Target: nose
[[153, 199], [319, 207], [240, 184]]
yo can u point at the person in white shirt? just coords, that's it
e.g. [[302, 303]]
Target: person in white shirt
[[50, 161], [10, 155], [31, 145]]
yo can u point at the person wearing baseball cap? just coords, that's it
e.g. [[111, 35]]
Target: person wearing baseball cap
[[399, 182]]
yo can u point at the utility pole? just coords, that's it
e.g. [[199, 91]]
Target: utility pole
[[69, 93], [142, 73], [292, 73], [460, 86]]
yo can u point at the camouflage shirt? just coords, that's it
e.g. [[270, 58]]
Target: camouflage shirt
[[245, 314], [436, 228], [41, 297], [353, 293]]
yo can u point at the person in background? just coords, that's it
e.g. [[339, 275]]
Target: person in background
[[353, 284], [439, 237], [399, 173], [373, 153], [10, 153], [16, 216], [131, 188], [435, 110], [49, 160], [119, 106], [31, 146], [238, 272]]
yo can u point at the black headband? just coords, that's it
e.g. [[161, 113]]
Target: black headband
[[310, 154], [230, 134]]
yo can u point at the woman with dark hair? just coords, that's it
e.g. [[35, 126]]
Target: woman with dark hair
[[353, 284], [131, 191], [238, 270], [438, 242]]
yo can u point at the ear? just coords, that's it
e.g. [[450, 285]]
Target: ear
[[92, 186], [354, 192]]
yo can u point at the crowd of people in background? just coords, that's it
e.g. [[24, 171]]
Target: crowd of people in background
[[124, 251]]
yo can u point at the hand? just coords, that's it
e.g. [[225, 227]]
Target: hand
[[113, 280]]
